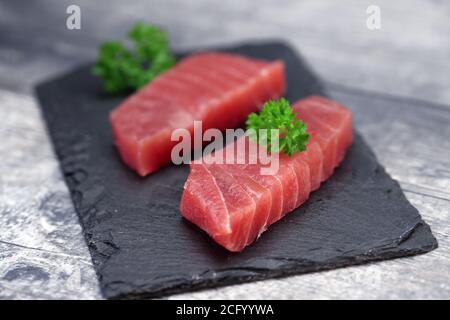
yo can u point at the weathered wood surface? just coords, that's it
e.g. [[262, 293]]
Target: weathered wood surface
[[42, 252]]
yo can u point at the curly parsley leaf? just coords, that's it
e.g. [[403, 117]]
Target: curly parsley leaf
[[122, 69], [277, 114]]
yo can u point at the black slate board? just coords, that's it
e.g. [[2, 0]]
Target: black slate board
[[142, 248]]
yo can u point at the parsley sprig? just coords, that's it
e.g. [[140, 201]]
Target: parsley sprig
[[122, 69], [278, 114]]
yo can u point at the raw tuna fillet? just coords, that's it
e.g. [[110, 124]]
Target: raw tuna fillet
[[234, 202], [330, 125], [217, 88]]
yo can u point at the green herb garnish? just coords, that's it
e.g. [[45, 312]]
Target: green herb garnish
[[122, 69], [278, 114]]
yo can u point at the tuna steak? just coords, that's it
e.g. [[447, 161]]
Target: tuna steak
[[234, 203], [217, 88]]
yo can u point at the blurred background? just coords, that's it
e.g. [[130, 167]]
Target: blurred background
[[407, 56], [42, 250]]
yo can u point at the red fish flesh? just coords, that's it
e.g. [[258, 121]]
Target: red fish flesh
[[234, 203], [217, 88]]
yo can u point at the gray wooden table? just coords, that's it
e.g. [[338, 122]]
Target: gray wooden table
[[42, 250]]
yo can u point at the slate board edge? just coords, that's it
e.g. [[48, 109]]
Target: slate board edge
[[290, 268], [227, 278]]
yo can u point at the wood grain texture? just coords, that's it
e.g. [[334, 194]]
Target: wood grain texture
[[42, 250], [409, 57]]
